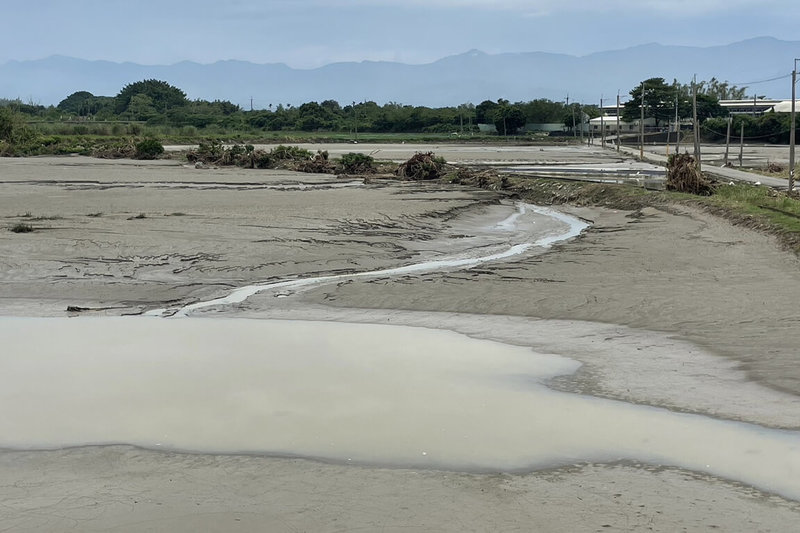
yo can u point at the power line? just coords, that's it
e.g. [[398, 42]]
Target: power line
[[762, 81], [773, 134]]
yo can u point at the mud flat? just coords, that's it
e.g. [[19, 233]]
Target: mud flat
[[669, 309]]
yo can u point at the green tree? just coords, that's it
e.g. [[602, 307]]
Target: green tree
[[484, 112], [659, 101], [78, 103], [508, 119], [541, 111], [141, 107], [721, 90], [163, 95]]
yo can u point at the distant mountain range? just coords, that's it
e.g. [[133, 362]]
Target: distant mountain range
[[470, 77]]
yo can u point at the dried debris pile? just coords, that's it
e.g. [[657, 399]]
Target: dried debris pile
[[422, 166], [683, 176]]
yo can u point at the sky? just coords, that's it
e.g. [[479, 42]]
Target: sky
[[312, 33]]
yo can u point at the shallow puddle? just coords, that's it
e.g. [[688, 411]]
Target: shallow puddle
[[387, 395]]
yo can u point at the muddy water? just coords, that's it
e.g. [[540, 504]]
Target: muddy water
[[364, 393]]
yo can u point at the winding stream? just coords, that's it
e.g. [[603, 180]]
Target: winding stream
[[569, 227]]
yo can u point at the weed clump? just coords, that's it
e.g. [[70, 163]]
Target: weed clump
[[22, 227], [356, 163]]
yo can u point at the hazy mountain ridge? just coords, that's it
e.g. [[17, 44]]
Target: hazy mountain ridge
[[473, 76]]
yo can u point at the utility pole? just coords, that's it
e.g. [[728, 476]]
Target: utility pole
[[727, 141], [791, 131], [618, 131], [696, 125], [355, 122], [641, 127], [574, 131], [580, 116], [251, 103], [741, 145], [677, 128], [602, 124]]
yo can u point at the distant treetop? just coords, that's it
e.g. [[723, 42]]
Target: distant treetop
[[162, 96]]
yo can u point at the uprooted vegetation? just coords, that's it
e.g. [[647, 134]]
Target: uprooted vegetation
[[318, 164], [484, 179], [422, 166], [356, 163], [247, 156], [683, 176], [289, 158]]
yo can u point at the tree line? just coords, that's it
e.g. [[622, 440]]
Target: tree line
[[157, 103]]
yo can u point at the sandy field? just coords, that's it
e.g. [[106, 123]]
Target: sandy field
[[670, 308]]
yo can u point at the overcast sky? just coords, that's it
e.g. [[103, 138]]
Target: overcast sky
[[310, 33]]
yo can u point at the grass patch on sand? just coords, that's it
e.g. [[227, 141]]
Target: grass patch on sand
[[776, 208], [756, 207]]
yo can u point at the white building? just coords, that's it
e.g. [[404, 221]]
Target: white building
[[609, 123], [785, 106]]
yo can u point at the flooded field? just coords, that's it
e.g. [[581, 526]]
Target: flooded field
[[359, 346]]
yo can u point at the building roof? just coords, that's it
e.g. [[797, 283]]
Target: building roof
[[785, 106]]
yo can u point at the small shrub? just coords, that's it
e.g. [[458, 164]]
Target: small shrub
[[149, 149]]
